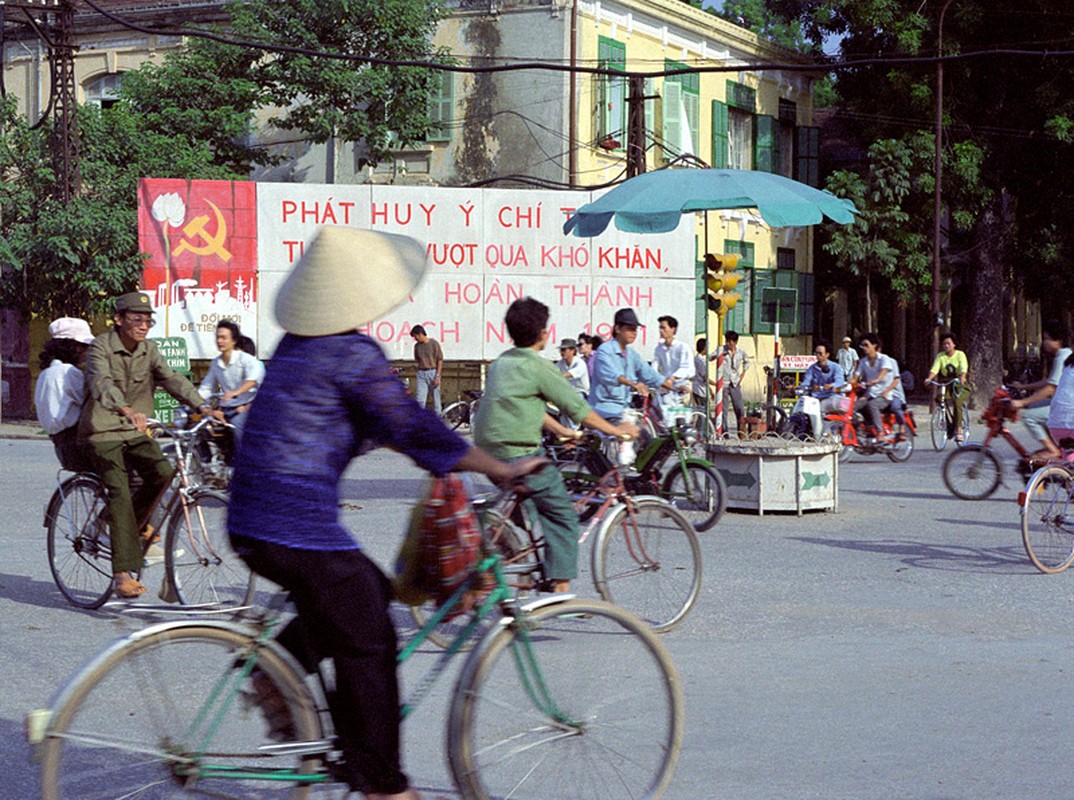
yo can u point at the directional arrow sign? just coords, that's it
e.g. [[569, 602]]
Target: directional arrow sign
[[811, 480], [745, 479]]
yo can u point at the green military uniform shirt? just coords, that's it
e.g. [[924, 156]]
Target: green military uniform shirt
[[511, 414], [117, 377]]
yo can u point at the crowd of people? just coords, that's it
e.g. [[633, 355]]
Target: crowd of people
[[330, 395]]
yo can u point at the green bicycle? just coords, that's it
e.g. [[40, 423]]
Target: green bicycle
[[560, 698]]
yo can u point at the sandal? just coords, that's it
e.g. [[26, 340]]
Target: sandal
[[127, 588], [149, 535]]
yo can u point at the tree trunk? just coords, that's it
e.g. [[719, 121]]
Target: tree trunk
[[984, 322], [869, 303]]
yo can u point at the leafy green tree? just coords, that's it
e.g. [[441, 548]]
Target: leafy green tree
[[380, 106], [1008, 139], [206, 92], [71, 258]]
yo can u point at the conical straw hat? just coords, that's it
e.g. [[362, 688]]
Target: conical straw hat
[[346, 278]]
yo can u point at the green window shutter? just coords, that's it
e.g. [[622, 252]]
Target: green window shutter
[[807, 166], [719, 135], [672, 133], [737, 319], [442, 109], [806, 304], [741, 97], [766, 145], [610, 91], [762, 279], [650, 110]]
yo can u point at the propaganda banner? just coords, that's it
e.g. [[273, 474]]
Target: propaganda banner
[[486, 248]]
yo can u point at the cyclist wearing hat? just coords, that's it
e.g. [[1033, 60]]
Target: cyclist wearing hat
[[122, 368], [61, 389], [572, 367], [618, 370]]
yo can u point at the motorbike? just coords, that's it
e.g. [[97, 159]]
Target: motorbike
[[858, 436]]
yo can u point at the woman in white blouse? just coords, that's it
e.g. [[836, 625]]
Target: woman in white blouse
[[234, 374]]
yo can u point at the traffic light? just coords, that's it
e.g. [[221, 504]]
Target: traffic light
[[720, 280]]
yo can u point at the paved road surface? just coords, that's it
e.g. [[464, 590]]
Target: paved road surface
[[902, 648]]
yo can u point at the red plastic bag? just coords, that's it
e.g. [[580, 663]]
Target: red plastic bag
[[450, 543]]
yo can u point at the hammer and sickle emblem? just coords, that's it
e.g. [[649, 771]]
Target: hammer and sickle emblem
[[214, 243]]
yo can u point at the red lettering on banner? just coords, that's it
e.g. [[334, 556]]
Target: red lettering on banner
[[428, 213], [467, 210], [630, 258], [295, 249], [458, 255], [519, 216], [460, 293], [450, 335], [400, 212], [565, 256], [332, 212], [495, 332], [571, 294], [511, 255]]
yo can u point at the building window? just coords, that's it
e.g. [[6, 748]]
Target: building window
[[807, 156], [788, 121], [103, 91], [682, 111], [442, 108], [739, 139], [611, 94], [719, 135], [785, 258]]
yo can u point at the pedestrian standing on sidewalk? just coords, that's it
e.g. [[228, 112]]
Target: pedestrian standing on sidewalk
[[430, 360]]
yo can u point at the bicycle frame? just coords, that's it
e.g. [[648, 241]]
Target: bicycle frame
[[209, 717]]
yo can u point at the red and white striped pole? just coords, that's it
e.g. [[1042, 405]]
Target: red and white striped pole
[[719, 392]]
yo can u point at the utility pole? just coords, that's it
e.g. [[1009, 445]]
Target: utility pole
[[937, 200], [59, 38], [635, 145]]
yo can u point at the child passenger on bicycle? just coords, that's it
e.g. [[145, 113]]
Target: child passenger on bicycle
[[511, 416]]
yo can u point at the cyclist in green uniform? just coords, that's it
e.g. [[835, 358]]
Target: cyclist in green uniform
[[952, 363]]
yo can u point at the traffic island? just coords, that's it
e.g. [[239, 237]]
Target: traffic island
[[777, 474]]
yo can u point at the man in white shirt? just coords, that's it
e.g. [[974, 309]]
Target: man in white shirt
[[61, 389], [572, 367], [877, 373], [672, 359], [1036, 407], [735, 364], [847, 357]]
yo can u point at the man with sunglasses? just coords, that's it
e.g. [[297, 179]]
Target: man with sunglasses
[[122, 368]]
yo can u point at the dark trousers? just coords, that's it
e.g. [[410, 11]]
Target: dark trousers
[[342, 601], [871, 408], [127, 511], [733, 401], [73, 455]]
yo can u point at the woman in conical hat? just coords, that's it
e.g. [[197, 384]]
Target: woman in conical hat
[[328, 396]]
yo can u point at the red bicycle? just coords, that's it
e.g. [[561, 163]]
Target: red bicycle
[[860, 437], [974, 471]]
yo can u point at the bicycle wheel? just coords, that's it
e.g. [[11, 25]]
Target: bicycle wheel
[[902, 449], [200, 564], [939, 427], [1048, 519], [591, 709], [699, 494], [972, 472], [79, 548], [456, 415], [648, 562], [134, 723], [579, 476]]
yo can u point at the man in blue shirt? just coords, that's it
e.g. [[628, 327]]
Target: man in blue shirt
[[618, 370], [825, 378]]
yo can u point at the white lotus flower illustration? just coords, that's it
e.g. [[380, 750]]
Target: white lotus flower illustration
[[170, 209]]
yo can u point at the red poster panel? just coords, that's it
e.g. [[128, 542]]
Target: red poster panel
[[201, 237]]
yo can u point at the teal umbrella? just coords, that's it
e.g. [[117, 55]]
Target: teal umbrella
[[654, 202]]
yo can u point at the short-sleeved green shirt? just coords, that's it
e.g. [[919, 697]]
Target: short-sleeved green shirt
[[511, 414], [950, 366]]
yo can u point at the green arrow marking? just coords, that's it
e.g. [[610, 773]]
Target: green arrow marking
[[745, 479], [814, 479]]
